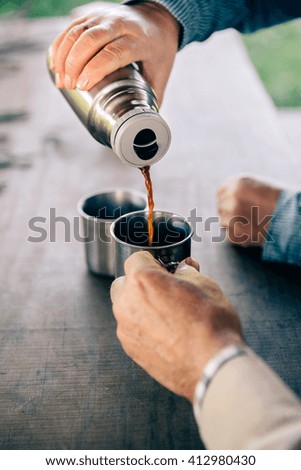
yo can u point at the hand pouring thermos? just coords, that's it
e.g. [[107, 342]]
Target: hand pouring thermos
[[121, 112]]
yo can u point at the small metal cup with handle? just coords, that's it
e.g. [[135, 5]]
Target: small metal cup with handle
[[171, 242], [98, 211]]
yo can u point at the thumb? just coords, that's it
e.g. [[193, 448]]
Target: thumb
[[192, 262], [188, 270], [141, 261]]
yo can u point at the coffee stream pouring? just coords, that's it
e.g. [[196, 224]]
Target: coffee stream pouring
[[121, 112]]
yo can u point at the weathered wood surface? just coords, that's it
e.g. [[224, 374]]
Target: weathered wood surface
[[64, 379]]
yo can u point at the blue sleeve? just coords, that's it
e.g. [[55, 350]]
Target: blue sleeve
[[284, 243], [201, 18]]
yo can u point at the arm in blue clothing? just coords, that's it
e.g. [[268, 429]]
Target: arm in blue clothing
[[271, 217], [284, 244], [201, 18]]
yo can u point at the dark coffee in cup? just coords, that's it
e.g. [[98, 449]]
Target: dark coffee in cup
[[171, 241]]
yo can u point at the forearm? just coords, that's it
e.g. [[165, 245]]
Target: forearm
[[284, 243], [201, 18], [247, 406]]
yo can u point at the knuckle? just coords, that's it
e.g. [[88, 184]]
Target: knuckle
[[113, 52], [138, 279], [244, 180], [75, 31], [70, 63], [119, 334], [231, 208], [69, 41], [118, 23], [242, 183], [143, 278], [125, 343], [89, 36], [91, 21]]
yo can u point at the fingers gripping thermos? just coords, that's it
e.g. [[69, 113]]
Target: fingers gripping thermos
[[121, 112]]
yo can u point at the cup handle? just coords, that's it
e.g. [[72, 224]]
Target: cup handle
[[170, 266]]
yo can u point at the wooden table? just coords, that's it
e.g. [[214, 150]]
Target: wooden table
[[65, 382]]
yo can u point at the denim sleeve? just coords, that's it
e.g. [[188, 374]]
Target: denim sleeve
[[201, 18], [284, 243]]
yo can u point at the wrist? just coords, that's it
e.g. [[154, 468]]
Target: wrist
[[161, 13], [201, 359], [212, 367]]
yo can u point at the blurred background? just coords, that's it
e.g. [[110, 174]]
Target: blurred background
[[275, 52]]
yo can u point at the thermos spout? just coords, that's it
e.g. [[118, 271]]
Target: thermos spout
[[121, 112]]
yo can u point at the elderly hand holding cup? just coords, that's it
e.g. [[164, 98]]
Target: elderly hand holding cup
[[172, 324]]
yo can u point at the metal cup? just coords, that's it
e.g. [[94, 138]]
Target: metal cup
[[171, 242], [98, 211]]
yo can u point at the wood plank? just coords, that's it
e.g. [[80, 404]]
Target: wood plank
[[65, 381]]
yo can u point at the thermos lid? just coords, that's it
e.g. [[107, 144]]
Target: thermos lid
[[140, 137]]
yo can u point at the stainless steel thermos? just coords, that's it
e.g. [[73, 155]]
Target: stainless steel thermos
[[121, 112]]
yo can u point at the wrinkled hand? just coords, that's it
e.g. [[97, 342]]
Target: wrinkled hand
[[112, 37], [245, 206], [172, 324]]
